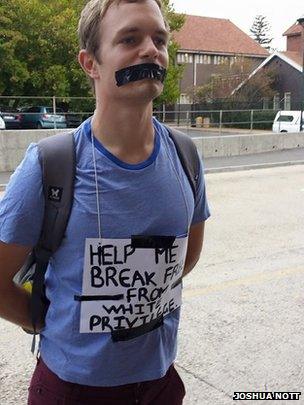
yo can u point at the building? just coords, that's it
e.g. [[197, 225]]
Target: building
[[288, 66], [206, 43]]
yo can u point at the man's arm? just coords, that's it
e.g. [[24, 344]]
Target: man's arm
[[195, 245], [14, 300]]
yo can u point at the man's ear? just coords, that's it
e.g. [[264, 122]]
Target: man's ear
[[88, 64]]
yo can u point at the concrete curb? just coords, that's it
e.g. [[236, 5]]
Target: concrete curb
[[252, 167], [13, 145], [234, 168]]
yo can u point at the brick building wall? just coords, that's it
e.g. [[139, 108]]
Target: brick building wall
[[295, 43]]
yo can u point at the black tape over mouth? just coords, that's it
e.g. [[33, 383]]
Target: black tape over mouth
[[139, 72]]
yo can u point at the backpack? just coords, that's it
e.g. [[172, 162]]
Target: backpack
[[58, 162]]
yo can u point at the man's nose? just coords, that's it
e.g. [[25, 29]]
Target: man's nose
[[149, 49]]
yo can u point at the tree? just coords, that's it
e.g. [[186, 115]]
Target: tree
[[39, 47], [222, 83], [171, 91], [262, 85], [260, 31]]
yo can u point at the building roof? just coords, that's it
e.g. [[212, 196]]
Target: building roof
[[216, 35], [295, 29], [292, 58]]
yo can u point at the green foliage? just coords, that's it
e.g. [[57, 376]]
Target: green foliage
[[227, 78], [38, 44], [171, 91], [39, 47], [262, 85], [260, 31], [223, 85], [261, 119]]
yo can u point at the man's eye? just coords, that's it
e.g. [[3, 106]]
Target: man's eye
[[128, 40], [160, 41]]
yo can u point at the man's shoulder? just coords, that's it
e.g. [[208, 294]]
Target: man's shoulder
[[61, 142], [160, 126]]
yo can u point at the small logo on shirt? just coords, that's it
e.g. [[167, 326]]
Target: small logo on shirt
[[55, 193]]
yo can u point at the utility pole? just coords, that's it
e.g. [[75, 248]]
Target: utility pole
[[301, 22]]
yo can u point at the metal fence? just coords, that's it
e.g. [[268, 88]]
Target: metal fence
[[83, 107], [219, 119]]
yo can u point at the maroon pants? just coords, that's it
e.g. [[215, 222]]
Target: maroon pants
[[48, 389]]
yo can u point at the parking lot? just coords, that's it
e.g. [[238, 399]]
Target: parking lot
[[242, 326], [242, 318]]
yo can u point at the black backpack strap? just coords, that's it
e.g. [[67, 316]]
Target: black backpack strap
[[188, 156], [57, 159]]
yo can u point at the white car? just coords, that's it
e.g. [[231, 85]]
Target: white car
[[2, 123], [288, 121]]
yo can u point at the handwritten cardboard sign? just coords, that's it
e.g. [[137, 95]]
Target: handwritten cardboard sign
[[126, 287]]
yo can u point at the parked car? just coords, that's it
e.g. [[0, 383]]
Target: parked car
[[2, 123], [73, 120], [288, 121], [11, 119], [42, 117]]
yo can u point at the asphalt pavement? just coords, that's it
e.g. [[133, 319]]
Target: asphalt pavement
[[242, 316]]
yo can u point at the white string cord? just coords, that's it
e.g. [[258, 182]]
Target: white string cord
[[96, 185]]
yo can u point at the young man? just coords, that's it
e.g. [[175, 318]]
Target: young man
[[130, 189]]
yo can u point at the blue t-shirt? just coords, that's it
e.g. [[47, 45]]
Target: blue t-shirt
[[150, 198]]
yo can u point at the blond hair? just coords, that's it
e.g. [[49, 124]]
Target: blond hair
[[90, 21]]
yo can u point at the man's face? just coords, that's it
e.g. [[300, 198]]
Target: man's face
[[131, 34]]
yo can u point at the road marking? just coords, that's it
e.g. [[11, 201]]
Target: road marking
[[254, 166], [258, 278]]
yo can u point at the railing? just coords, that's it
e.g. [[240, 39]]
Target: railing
[[219, 120], [83, 107]]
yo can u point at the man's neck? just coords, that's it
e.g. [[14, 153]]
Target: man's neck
[[126, 132]]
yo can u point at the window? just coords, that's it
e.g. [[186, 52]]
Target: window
[[203, 59], [276, 102], [184, 58], [50, 110], [219, 59], [265, 103], [285, 118], [287, 101], [188, 58], [184, 99], [179, 58]]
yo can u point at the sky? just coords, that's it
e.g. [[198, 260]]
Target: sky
[[242, 13]]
